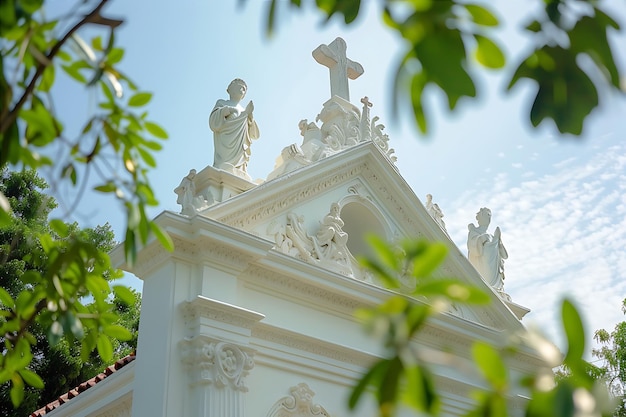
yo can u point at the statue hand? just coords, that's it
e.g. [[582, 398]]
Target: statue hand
[[250, 108], [497, 233]]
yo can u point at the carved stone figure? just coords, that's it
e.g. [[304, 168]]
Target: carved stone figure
[[187, 198], [234, 129], [330, 240], [485, 251], [435, 212], [328, 247]]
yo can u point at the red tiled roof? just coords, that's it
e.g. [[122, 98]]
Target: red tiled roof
[[84, 386]]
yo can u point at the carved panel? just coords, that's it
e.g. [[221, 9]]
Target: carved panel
[[298, 404], [214, 362]]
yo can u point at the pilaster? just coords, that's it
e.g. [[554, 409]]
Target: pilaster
[[217, 356]]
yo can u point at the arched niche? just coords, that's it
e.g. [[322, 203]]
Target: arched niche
[[362, 218]]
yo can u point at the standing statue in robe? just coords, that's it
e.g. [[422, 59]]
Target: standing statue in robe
[[435, 212], [485, 251], [234, 129]]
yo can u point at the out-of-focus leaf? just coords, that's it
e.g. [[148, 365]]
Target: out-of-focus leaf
[[155, 130], [430, 259], [140, 99], [574, 331], [17, 389], [162, 236], [105, 348], [491, 365], [481, 15], [31, 378], [117, 332], [488, 53]]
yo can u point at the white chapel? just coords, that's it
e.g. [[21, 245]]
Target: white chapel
[[251, 315]]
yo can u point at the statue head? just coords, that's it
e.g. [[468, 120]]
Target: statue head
[[483, 217], [335, 209], [237, 89]]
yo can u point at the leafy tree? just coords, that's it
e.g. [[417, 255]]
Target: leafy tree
[[612, 355], [58, 365], [115, 144], [569, 60]]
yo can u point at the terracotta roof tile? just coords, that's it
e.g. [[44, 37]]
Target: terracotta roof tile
[[84, 386]]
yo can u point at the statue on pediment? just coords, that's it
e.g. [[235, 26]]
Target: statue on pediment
[[187, 198], [234, 129], [435, 212], [486, 251]]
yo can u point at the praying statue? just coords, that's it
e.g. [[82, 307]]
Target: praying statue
[[234, 129], [485, 251]]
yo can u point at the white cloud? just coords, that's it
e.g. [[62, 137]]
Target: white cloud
[[565, 232]]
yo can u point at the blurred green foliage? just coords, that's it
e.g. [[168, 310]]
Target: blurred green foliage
[[117, 143], [402, 378], [569, 62]]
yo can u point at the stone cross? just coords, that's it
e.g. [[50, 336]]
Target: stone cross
[[341, 68]]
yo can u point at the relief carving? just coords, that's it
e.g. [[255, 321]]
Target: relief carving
[[298, 404], [327, 248], [224, 364]]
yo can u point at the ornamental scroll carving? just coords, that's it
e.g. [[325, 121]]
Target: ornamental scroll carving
[[220, 363], [298, 404], [326, 248]]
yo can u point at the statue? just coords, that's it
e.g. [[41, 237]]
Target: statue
[[234, 129], [187, 197], [486, 252], [435, 212]]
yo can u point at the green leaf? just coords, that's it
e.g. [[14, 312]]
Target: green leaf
[[140, 99], [74, 72], [115, 56], [488, 53], [31, 378], [117, 332], [420, 390], [147, 157], [124, 294], [60, 227], [589, 36], [105, 348], [446, 70], [372, 377], [155, 130], [47, 79], [491, 365], [17, 390], [109, 187], [574, 331], [429, 260], [6, 299], [481, 15], [162, 236], [96, 43], [30, 6]]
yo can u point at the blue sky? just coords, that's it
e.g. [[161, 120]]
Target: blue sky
[[559, 200]]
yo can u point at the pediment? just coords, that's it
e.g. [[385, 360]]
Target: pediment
[[295, 212]]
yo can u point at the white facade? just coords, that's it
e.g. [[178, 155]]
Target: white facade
[[251, 315]]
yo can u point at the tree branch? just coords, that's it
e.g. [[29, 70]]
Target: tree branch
[[93, 17]]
